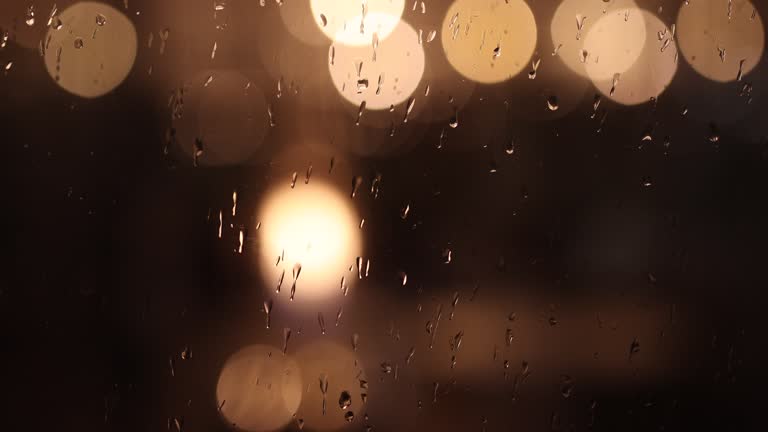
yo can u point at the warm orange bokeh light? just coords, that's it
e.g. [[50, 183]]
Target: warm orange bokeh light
[[489, 41]]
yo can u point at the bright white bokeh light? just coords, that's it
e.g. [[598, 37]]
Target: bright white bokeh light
[[639, 73], [314, 226], [344, 16], [489, 41], [704, 29], [388, 75]]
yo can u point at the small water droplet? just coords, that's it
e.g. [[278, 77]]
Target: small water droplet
[[345, 400], [321, 322], [30, 17], [580, 20], [357, 181], [552, 103], [286, 338], [447, 256], [79, 43], [566, 386], [634, 348]]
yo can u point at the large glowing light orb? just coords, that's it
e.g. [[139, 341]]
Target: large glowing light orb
[[614, 43], [363, 17], [259, 389], [93, 51], [309, 234], [489, 41], [634, 66], [574, 19], [717, 38], [382, 76]]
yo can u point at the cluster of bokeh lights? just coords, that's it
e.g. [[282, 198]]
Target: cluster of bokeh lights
[[377, 57]]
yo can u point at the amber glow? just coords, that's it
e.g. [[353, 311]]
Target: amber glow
[[489, 41]]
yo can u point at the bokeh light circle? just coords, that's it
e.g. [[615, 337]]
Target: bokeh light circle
[[614, 43], [86, 58], [259, 389], [334, 17], [704, 29], [227, 113], [312, 226], [489, 41], [344, 372], [640, 74], [568, 41], [388, 74]]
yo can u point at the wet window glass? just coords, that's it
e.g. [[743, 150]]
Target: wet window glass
[[392, 215]]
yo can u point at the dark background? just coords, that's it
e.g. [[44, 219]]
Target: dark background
[[111, 266]]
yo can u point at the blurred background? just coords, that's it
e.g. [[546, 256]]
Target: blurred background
[[328, 215]]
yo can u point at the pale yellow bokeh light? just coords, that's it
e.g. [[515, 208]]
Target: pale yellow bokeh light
[[568, 41], [489, 41], [652, 69], [88, 59], [615, 42], [334, 17], [259, 389], [704, 29], [312, 226], [390, 79], [344, 372]]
